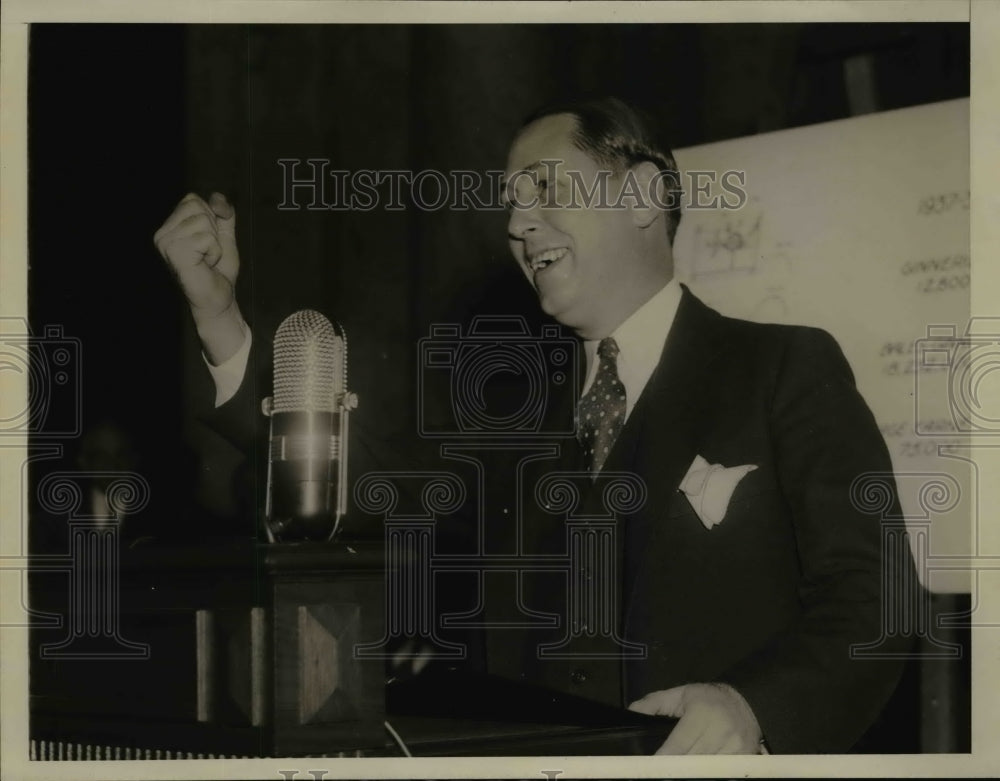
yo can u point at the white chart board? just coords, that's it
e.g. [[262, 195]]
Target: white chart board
[[860, 227]]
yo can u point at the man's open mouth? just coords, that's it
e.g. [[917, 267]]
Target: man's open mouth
[[545, 259]]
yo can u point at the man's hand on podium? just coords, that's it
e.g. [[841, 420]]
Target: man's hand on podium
[[714, 719], [198, 241]]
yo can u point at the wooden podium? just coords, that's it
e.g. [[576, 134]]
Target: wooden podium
[[252, 643], [287, 663], [252, 652]]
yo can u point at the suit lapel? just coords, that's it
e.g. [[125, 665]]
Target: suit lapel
[[663, 433]]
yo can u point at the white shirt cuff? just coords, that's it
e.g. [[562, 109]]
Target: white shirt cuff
[[228, 376]]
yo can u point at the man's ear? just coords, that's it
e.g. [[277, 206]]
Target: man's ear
[[644, 205]]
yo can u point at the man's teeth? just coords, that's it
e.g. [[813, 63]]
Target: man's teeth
[[543, 259]]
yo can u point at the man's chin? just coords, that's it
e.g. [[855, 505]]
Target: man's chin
[[553, 307], [562, 315]]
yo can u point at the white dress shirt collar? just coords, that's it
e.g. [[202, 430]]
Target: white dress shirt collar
[[640, 342]]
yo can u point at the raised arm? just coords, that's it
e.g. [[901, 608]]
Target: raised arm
[[198, 242]]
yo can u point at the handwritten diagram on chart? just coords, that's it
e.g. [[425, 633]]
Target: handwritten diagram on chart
[[728, 242]]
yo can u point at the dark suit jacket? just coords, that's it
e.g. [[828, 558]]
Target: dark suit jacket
[[771, 599]]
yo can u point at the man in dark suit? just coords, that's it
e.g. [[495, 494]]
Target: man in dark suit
[[747, 574]]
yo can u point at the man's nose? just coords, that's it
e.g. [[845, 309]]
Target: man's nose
[[522, 221]]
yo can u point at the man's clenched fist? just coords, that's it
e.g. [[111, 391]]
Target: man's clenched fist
[[198, 241]]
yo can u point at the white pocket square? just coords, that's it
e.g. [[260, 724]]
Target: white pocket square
[[709, 487]]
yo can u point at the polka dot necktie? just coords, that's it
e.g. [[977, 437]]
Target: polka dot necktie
[[601, 412]]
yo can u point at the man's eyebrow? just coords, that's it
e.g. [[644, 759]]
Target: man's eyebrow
[[527, 169], [531, 167]]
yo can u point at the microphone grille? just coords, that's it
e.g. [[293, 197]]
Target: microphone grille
[[310, 364]]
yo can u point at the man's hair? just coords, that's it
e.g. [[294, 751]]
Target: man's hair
[[620, 136]]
